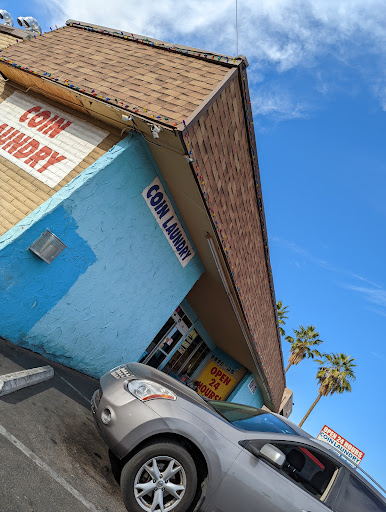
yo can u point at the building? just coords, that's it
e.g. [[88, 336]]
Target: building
[[11, 35], [137, 159]]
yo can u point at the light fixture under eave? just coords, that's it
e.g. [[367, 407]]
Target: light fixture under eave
[[4, 15], [48, 246], [31, 24], [155, 130]]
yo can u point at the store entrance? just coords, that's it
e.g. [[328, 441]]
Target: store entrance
[[188, 358], [167, 339], [178, 348]]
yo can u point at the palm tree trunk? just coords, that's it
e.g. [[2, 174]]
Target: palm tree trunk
[[288, 367], [310, 409]]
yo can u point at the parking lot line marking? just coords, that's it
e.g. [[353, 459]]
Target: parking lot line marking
[[76, 390], [47, 468]]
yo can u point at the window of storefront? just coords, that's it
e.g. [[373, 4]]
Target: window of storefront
[[180, 351], [167, 339], [188, 358]]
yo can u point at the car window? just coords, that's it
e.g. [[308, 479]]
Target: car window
[[358, 498], [309, 469], [250, 418]]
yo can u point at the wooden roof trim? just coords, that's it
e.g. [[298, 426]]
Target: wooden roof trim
[[15, 32]]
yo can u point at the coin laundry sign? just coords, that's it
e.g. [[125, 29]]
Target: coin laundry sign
[[348, 451], [42, 140], [160, 206]]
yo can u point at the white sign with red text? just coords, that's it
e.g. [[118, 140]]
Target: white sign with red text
[[43, 140], [348, 451]]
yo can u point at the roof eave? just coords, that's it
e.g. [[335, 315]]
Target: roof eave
[[13, 31], [183, 129]]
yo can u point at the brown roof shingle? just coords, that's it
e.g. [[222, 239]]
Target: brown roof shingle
[[220, 147], [149, 79], [6, 40]]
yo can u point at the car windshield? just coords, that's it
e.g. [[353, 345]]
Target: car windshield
[[250, 418]]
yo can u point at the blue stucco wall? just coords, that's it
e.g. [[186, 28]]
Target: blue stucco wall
[[243, 395], [108, 293]]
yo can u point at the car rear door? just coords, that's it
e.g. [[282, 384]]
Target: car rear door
[[253, 484], [357, 495]]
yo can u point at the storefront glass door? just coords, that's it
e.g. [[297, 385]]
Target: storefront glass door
[[167, 339], [189, 356]]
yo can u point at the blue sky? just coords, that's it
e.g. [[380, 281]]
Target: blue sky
[[318, 88]]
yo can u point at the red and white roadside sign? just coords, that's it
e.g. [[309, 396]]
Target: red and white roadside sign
[[348, 451], [43, 140]]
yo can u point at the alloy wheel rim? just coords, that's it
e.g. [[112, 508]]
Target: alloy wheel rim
[[160, 484]]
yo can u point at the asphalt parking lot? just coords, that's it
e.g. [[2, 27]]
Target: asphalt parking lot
[[51, 456]]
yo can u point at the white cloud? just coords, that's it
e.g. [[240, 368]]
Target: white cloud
[[275, 35], [283, 32], [374, 295], [304, 253], [364, 279], [376, 289], [278, 104], [380, 93], [378, 356]]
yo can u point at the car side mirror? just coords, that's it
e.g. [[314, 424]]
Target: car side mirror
[[264, 450], [273, 454]]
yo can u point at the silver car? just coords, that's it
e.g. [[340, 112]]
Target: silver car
[[180, 453]]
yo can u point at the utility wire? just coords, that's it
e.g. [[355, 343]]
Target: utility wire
[[237, 34]]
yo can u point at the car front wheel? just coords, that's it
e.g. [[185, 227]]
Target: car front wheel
[[161, 477]]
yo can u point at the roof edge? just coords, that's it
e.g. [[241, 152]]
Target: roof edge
[[207, 102], [246, 98], [215, 58], [13, 31], [248, 119]]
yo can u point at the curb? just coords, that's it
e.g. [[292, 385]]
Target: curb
[[14, 381]]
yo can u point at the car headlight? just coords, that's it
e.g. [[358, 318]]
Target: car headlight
[[148, 390]]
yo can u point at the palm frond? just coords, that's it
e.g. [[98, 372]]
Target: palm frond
[[335, 373]]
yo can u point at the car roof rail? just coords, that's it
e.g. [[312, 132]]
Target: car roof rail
[[372, 479]]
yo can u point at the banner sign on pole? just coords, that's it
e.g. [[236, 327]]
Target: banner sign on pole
[[348, 451]]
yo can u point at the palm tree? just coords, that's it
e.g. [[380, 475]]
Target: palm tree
[[281, 312], [334, 375], [301, 346]]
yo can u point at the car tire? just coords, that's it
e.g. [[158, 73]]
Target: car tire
[[167, 471]]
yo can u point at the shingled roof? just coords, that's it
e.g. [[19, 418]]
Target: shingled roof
[[143, 75], [136, 73], [11, 35]]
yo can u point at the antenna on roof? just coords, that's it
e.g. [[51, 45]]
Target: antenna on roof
[[31, 25], [4, 15], [237, 34]]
